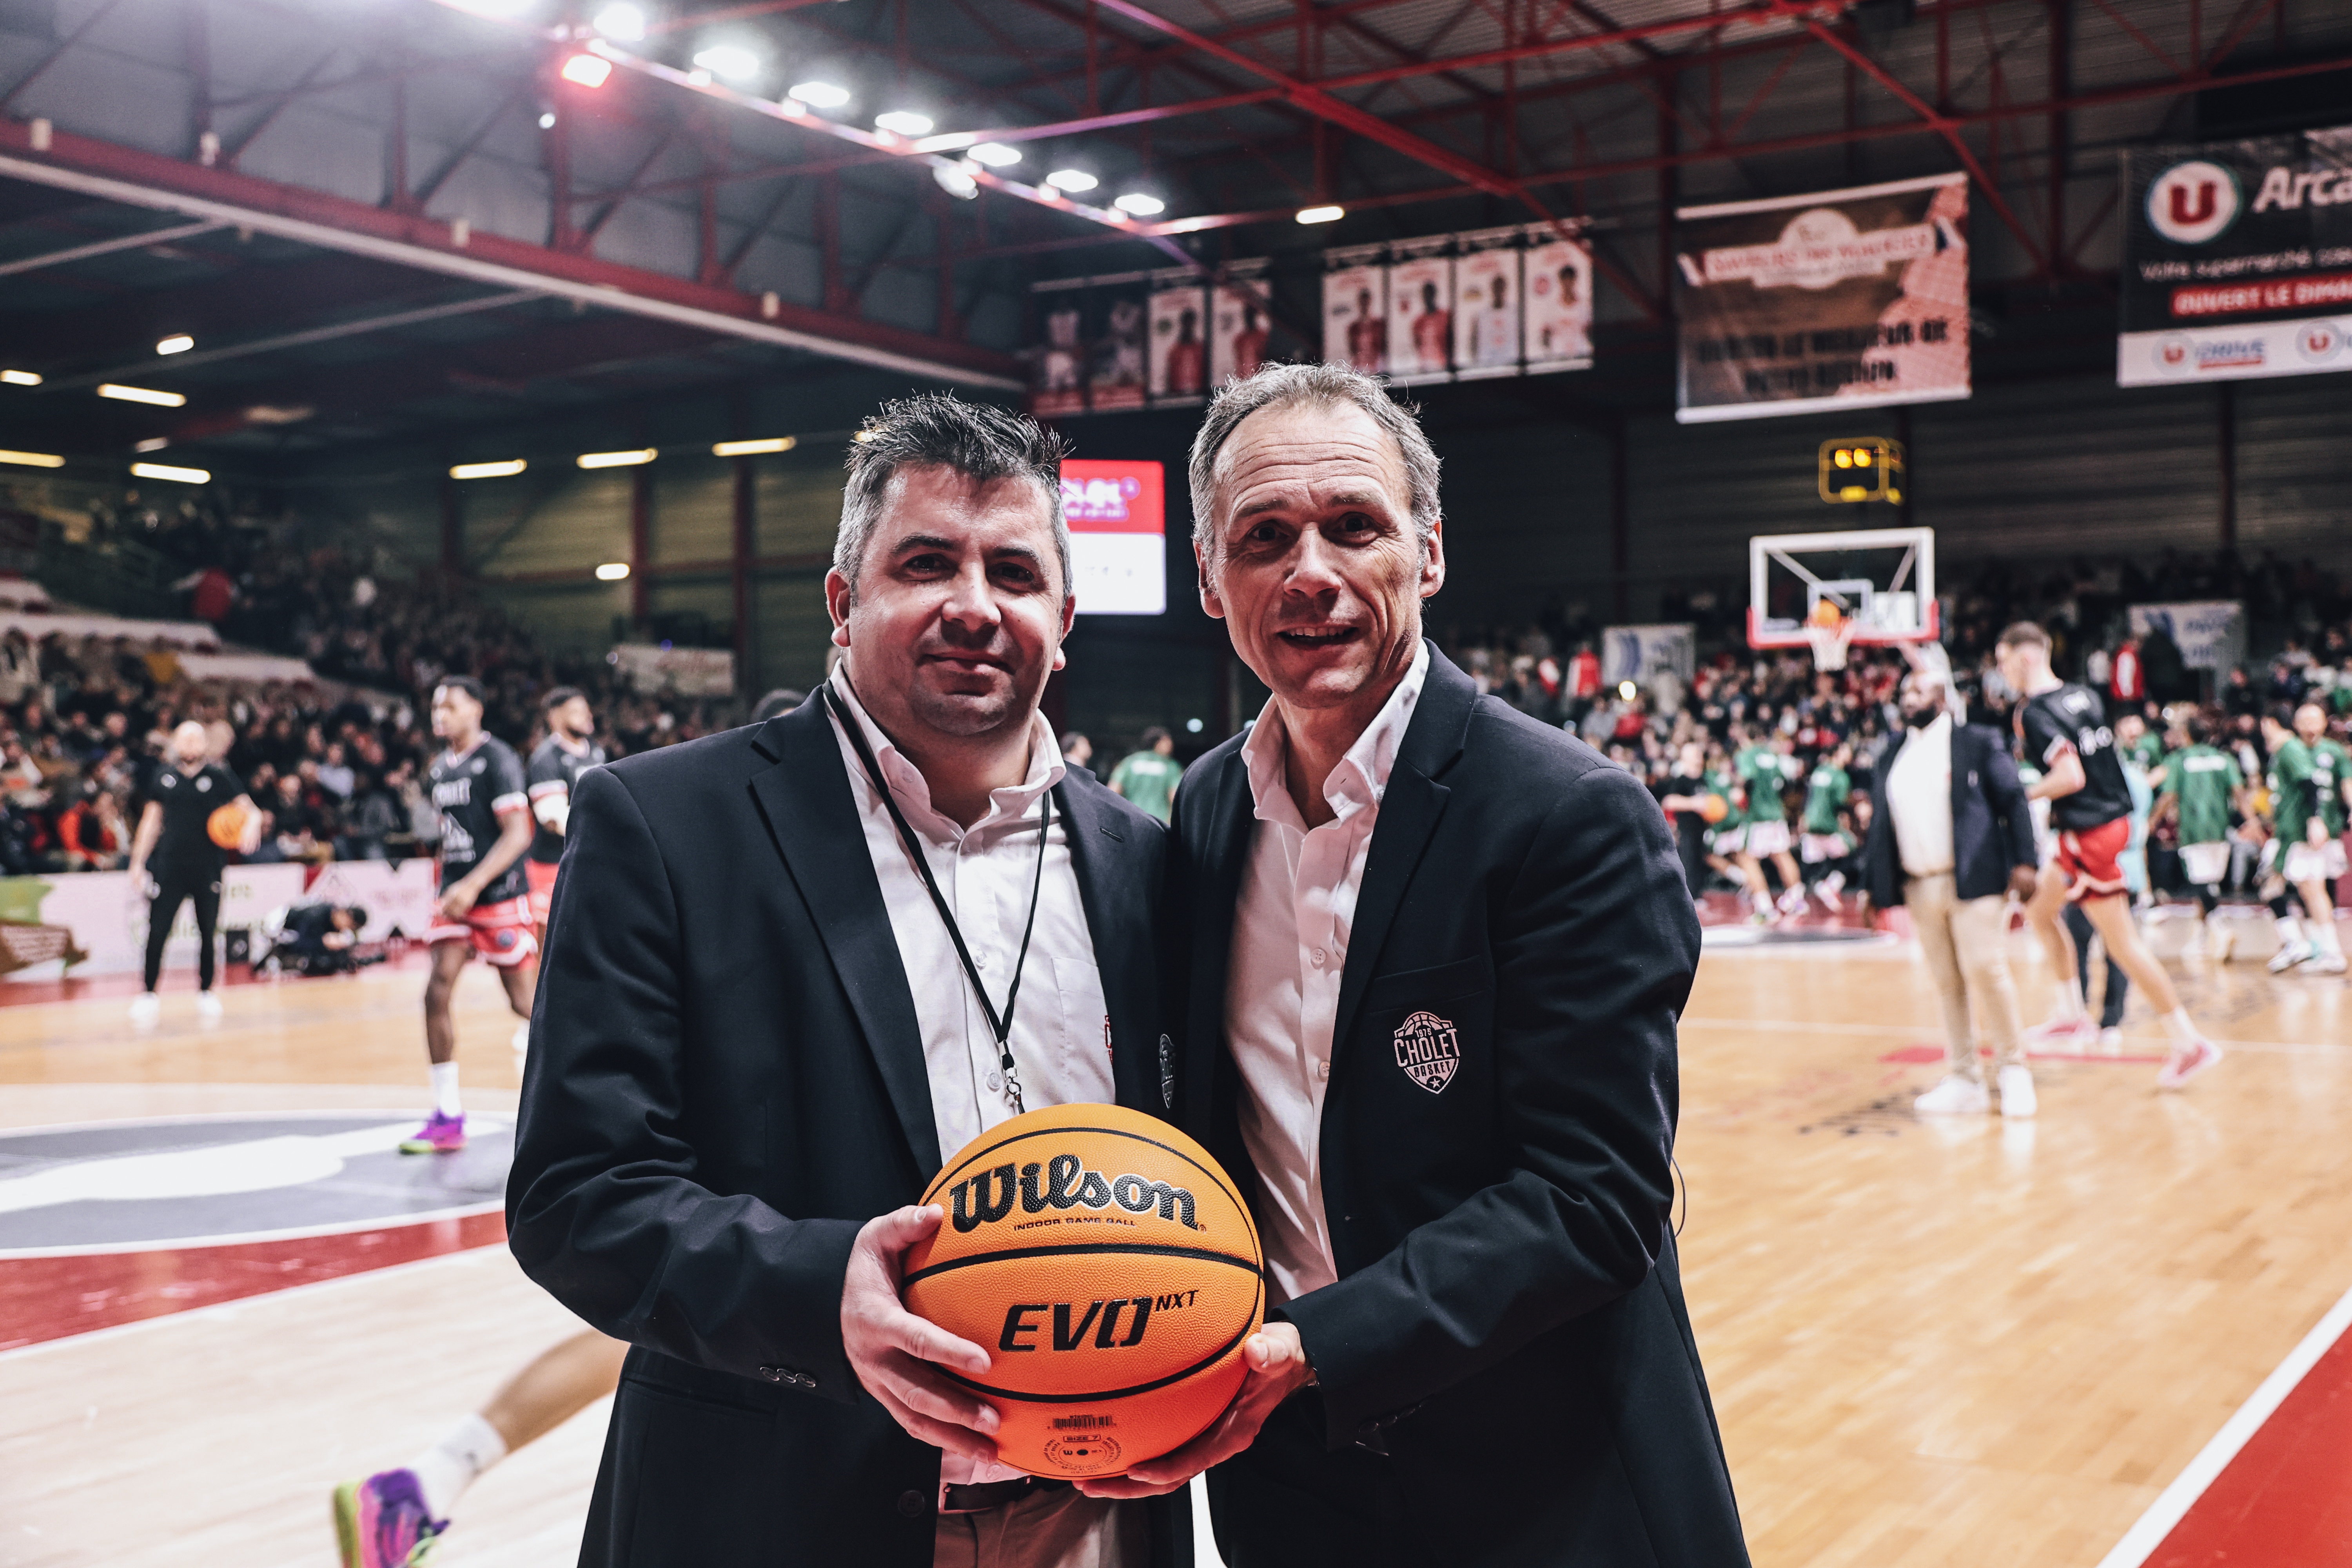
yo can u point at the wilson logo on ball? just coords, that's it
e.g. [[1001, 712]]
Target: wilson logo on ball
[[1062, 1182]]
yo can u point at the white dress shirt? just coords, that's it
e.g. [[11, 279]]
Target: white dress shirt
[[1061, 1024], [1919, 795], [1291, 928]]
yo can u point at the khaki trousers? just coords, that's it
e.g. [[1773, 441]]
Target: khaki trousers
[[1060, 1529], [1965, 941]]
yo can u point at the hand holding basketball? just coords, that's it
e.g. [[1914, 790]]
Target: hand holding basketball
[[892, 1352], [1277, 1369]]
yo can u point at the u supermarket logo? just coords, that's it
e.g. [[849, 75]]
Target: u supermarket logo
[[2193, 203]]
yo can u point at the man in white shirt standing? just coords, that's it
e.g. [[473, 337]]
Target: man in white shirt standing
[[757, 1038], [1434, 952], [1951, 837]]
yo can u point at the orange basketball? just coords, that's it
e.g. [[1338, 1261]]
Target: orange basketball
[[226, 826], [1713, 807], [1111, 1270], [1825, 612]]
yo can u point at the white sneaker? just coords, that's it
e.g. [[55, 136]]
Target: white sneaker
[[2060, 1034], [2290, 955], [522, 1037], [2220, 940], [2016, 1092], [1829, 896], [2324, 963], [145, 1010], [1792, 901], [2186, 1062], [1957, 1096], [2111, 1042], [208, 1007]]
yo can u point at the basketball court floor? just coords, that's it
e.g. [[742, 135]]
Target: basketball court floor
[[2104, 1337]]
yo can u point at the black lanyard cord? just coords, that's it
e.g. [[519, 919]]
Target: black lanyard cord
[[1002, 1024]]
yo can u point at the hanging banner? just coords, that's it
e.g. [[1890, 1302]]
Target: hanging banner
[[1057, 364], [1116, 369], [1420, 310], [1837, 300], [2210, 634], [1487, 305], [1179, 349], [1558, 298], [2237, 260], [1241, 325], [1356, 308], [1637, 653]]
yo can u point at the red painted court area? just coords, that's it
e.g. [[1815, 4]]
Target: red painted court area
[[2286, 1500]]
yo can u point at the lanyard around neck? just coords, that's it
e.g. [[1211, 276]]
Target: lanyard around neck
[[1000, 1024]]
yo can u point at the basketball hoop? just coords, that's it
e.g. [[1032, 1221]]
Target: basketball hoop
[[1828, 642]]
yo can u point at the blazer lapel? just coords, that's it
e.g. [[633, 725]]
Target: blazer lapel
[[1216, 884], [1119, 924], [813, 818]]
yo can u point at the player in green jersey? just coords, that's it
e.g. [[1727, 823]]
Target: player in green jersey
[[1765, 768], [1821, 843], [2201, 787], [1148, 778], [2138, 743], [2307, 825]]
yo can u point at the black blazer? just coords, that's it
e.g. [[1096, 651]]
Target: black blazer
[[1992, 830], [1509, 1320], [726, 1080]]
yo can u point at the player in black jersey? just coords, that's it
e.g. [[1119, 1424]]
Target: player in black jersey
[[175, 838], [2062, 729], [484, 909], [566, 753]]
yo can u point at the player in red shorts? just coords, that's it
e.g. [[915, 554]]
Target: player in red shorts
[[568, 751], [2061, 728], [485, 906]]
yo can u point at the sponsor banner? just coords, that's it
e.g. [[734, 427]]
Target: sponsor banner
[[1637, 653], [1837, 300], [1420, 311], [1241, 324], [1486, 306], [1557, 297], [398, 897], [2210, 634], [2237, 260], [687, 671], [1356, 308], [1179, 348], [1116, 511], [45, 922]]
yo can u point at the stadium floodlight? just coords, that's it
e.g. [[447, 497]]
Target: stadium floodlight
[[621, 21], [956, 180], [33, 459], [617, 459], [506, 470], [995, 154], [21, 377], [820, 94], [612, 572], [152, 444], [1331, 213], [905, 122], [1135, 203], [732, 61], [1075, 181], [752, 449], [177, 343], [587, 70], [166, 471], [141, 395]]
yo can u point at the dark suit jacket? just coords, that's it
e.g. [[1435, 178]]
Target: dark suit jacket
[[1509, 1320], [726, 1080], [1992, 830]]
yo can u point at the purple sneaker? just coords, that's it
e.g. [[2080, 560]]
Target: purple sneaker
[[439, 1135], [381, 1522]]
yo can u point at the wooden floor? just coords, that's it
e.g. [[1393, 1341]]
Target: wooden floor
[[1929, 1344]]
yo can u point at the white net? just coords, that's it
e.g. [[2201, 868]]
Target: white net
[[1829, 643]]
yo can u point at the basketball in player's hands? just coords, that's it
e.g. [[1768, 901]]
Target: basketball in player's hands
[[226, 826]]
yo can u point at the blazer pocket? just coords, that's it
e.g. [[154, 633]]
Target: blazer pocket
[[1410, 988]]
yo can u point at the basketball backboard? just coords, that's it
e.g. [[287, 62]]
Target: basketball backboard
[[1878, 583]]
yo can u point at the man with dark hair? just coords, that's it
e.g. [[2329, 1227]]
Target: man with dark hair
[[2061, 728], [1149, 777], [568, 751], [485, 905], [772, 1006]]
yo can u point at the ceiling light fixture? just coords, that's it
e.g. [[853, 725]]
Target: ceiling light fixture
[[166, 471], [905, 122], [1136, 203], [141, 395], [152, 444], [956, 180], [731, 61], [547, 120], [177, 343], [1072, 179], [488, 470], [617, 459], [612, 572], [1331, 213], [821, 94], [995, 154], [624, 21], [587, 70], [21, 377], [33, 459], [752, 449]]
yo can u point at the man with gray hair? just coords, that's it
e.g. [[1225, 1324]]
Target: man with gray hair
[[1432, 953], [789, 968]]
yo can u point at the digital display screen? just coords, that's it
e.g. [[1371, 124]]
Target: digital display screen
[[1118, 515]]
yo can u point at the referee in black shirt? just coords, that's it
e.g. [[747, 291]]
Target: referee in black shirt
[[173, 832]]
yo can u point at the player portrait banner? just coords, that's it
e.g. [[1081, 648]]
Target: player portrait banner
[[1420, 310], [1487, 304], [1115, 358], [1557, 296], [1637, 653], [2237, 260], [1178, 364], [1057, 362], [1838, 300], [2211, 633], [1241, 322], [1356, 308]]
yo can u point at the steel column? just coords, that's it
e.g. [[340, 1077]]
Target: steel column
[[740, 576], [641, 542]]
